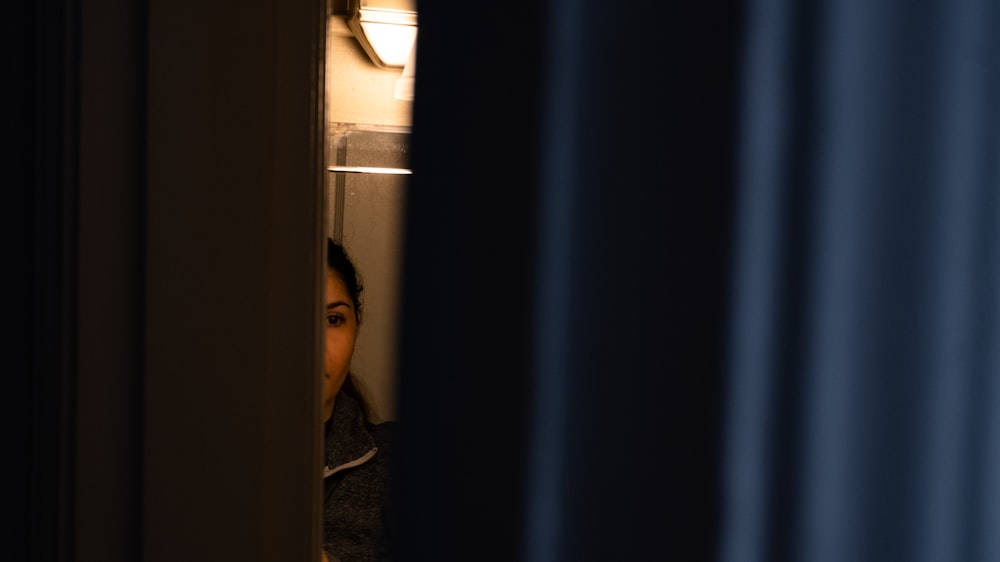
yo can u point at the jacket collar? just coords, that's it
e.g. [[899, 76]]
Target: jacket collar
[[348, 442]]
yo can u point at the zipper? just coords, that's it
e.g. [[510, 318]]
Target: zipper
[[328, 472]]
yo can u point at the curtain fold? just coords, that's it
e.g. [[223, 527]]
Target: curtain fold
[[863, 358], [708, 282]]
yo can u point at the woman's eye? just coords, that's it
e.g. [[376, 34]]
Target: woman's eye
[[334, 320]]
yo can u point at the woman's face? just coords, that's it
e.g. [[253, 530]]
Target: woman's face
[[341, 326]]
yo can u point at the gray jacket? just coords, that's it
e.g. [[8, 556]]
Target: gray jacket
[[356, 481]]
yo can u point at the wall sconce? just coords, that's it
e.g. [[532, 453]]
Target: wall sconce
[[386, 29]]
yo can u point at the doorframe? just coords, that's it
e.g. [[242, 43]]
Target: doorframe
[[202, 213]]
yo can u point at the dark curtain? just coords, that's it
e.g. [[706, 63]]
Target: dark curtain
[[40, 167], [703, 282], [864, 376], [565, 280]]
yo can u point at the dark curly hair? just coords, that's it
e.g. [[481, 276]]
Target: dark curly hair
[[338, 260]]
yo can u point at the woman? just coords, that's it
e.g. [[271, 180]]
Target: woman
[[357, 452]]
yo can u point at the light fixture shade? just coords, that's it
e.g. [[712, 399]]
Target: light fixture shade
[[385, 31]]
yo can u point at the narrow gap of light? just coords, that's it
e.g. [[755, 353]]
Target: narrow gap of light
[[369, 170]]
